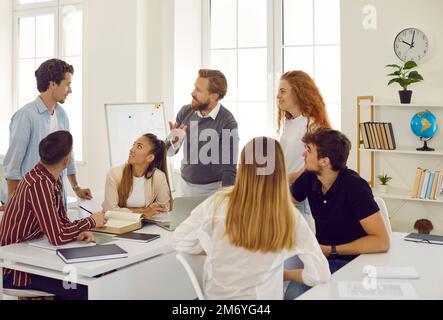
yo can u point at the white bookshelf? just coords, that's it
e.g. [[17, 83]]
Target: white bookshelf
[[399, 194], [410, 105], [405, 151]]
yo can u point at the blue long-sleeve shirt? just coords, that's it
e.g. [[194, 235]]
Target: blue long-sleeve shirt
[[30, 125]]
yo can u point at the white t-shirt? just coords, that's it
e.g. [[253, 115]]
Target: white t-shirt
[[291, 141], [54, 122], [137, 197], [232, 272]]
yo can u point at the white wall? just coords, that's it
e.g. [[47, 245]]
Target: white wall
[[128, 58], [364, 56]]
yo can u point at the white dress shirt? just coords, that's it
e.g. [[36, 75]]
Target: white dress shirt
[[235, 273], [213, 114]]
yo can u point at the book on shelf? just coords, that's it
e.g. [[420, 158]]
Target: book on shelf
[[121, 222], [434, 186], [377, 135], [364, 136], [368, 133], [383, 142], [429, 187], [377, 139], [422, 181], [427, 184], [416, 185], [439, 186], [385, 136], [391, 136]]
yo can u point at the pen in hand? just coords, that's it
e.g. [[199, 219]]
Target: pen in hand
[[86, 210], [99, 217]]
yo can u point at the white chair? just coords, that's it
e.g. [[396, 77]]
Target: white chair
[[14, 293], [193, 265], [384, 213]]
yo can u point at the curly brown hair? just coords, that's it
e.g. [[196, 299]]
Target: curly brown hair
[[310, 100]]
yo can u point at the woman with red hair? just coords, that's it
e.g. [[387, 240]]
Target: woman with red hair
[[301, 110]]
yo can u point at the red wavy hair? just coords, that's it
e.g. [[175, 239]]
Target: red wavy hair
[[309, 98]]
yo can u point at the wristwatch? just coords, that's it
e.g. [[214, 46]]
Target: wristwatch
[[333, 250]]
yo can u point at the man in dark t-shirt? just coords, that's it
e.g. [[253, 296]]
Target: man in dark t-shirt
[[347, 219]]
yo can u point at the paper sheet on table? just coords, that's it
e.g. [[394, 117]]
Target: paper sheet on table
[[391, 272], [373, 289]]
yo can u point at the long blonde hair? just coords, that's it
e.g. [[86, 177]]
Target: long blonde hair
[[160, 162], [261, 216]]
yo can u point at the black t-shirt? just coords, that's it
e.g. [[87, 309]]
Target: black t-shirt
[[337, 213]]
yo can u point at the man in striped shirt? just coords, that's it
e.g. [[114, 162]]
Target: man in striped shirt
[[36, 209]]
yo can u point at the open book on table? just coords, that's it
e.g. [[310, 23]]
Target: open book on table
[[120, 222]]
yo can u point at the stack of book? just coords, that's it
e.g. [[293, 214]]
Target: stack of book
[[378, 135], [427, 184]]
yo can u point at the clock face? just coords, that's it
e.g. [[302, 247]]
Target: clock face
[[411, 44]]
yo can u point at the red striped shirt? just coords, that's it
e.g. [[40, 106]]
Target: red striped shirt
[[36, 209]]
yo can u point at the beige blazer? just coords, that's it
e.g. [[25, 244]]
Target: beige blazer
[[156, 190]]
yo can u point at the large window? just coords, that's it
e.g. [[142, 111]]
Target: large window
[[46, 29], [254, 41]]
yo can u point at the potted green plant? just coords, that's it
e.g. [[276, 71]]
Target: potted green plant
[[384, 180], [405, 76]]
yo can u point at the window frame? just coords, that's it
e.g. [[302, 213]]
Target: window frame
[[206, 47], [34, 9], [275, 52]]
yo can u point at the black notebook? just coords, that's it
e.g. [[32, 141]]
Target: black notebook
[[427, 238], [86, 254], [137, 237]]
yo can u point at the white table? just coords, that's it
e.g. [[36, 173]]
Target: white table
[[150, 272], [426, 258]]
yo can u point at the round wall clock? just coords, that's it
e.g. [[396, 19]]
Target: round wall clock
[[411, 44]]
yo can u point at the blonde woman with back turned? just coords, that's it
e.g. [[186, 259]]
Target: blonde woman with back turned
[[247, 232], [141, 185]]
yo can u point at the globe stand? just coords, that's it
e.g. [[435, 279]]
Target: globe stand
[[425, 147]]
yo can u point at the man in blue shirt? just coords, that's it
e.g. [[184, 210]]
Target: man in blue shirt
[[35, 121]]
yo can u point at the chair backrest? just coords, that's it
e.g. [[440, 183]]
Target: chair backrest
[[384, 213], [193, 265]]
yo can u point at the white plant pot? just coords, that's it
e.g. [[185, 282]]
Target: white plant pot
[[384, 189]]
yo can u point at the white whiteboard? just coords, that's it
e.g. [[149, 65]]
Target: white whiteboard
[[127, 122]]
